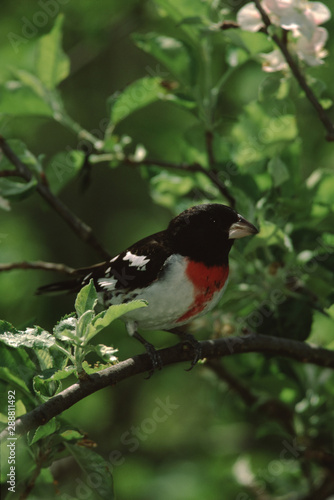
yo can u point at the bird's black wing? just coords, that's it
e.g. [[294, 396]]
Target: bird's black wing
[[136, 267]]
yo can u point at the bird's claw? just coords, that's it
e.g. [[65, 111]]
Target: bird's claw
[[151, 351], [196, 345], [155, 359]]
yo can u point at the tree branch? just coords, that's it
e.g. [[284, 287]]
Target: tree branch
[[327, 123], [77, 225], [293, 349], [37, 264], [184, 167]]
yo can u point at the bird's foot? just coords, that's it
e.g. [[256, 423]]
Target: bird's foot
[[154, 357], [153, 354], [188, 338]]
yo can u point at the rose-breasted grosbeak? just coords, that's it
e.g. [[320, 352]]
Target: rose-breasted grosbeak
[[181, 272]]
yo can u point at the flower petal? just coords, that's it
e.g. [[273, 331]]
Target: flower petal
[[273, 61], [312, 51], [249, 18], [319, 12]]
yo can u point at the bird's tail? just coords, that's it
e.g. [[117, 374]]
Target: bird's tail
[[69, 286]]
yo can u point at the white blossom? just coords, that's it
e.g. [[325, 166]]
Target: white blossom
[[300, 17], [274, 61], [312, 51]]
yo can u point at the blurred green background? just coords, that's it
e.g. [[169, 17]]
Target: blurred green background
[[202, 449]]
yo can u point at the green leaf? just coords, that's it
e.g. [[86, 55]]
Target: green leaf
[[71, 434], [19, 100], [181, 100], [54, 374], [33, 338], [62, 168], [181, 10], [84, 322], [136, 96], [325, 192], [52, 64], [35, 84], [236, 56], [17, 368], [51, 97], [86, 299], [259, 135], [21, 150], [167, 188], [270, 234], [66, 329], [93, 464], [282, 323], [42, 431], [7, 375], [252, 43], [278, 171], [45, 389], [191, 20], [106, 317], [106, 353], [174, 54], [16, 190]]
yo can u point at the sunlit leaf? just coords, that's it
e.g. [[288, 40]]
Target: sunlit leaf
[[86, 299], [15, 190], [175, 55], [278, 171], [107, 353], [18, 99], [62, 168], [34, 337], [42, 431], [136, 96], [104, 318], [52, 64]]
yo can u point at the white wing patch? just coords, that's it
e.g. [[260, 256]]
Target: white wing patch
[[108, 283], [138, 261]]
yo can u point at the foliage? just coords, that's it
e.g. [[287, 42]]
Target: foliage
[[202, 101], [36, 363]]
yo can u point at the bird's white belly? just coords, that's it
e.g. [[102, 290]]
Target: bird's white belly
[[169, 298]]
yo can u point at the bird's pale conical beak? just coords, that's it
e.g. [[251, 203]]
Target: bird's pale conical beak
[[241, 228]]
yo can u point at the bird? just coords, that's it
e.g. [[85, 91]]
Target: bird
[[181, 272]]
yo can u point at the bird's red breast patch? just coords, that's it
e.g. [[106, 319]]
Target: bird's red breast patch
[[207, 281]]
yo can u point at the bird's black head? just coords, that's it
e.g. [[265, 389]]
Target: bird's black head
[[206, 233]]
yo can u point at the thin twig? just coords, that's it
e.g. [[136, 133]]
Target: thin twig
[[79, 227], [10, 173], [299, 351], [38, 264], [329, 126], [184, 167]]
